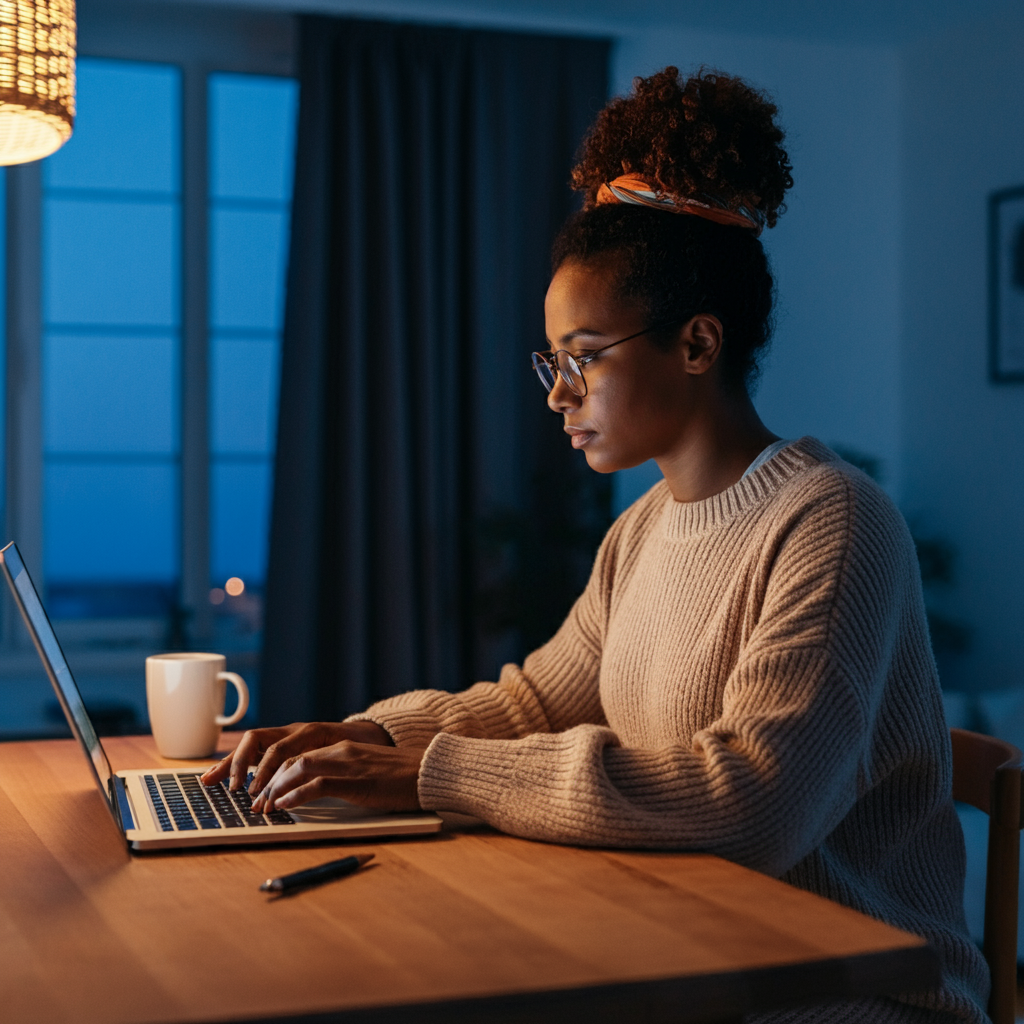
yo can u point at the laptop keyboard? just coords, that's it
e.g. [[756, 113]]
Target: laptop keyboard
[[183, 804]]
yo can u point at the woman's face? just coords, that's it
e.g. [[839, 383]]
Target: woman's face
[[636, 407]]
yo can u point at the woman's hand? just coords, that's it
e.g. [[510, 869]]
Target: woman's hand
[[270, 748], [362, 773]]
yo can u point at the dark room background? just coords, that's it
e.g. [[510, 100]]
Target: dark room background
[[152, 251]]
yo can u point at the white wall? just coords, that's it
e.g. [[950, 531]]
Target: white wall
[[834, 366], [882, 267], [963, 437]]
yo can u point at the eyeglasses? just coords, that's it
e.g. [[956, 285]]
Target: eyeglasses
[[570, 367]]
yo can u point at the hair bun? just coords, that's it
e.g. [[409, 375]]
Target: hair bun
[[710, 137]]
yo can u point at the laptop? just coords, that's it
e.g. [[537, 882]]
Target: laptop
[[165, 808]]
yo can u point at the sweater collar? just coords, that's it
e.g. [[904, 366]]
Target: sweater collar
[[686, 518]]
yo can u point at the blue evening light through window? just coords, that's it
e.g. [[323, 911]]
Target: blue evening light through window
[[252, 141], [111, 345], [112, 211]]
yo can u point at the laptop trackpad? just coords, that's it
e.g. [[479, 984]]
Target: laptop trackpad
[[330, 809]]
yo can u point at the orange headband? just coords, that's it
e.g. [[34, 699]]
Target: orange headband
[[631, 188]]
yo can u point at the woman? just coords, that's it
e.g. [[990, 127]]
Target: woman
[[748, 671]]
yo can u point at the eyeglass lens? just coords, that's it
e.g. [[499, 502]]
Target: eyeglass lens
[[568, 369], [543, 368]]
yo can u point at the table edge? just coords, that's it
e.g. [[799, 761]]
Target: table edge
[[709, 997]]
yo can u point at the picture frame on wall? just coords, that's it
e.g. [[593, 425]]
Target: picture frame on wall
[[1006, 284]]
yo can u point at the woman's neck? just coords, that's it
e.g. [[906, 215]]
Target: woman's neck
[[721, 440]]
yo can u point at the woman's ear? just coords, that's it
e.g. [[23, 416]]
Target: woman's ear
[[701, 343]]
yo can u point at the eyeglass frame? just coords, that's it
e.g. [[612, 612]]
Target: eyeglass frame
[[550, 359]]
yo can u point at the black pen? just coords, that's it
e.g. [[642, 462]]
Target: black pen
[[314, 876]]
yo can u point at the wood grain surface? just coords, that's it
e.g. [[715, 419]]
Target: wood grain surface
[[462, 926]]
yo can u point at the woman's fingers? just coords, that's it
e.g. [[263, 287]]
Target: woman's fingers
[[249, 751], [368, 774], [307, 736], [296, 773], [268, 749], [253, 748], [219, 771], [314, 790], [299, 739], [236, 764]]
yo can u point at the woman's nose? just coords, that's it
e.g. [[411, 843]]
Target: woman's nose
[[561, 398]]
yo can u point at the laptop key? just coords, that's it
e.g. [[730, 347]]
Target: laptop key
[[234, 807], [197, 799], [225, 810], [241, 798], [176, 803], [162, 816], [243, 803], [220, 797]]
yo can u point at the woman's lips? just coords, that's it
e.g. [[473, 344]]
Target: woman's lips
[[580, 437]]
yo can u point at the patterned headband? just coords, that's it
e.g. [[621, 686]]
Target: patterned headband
[[631, 188]]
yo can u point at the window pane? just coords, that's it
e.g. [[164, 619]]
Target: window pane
[[243, 395], [110, 521], [252, 141], [110, 394], [110, 263], [252, 136], [127, 132], [111, 308], [248, 250], [241, 513]]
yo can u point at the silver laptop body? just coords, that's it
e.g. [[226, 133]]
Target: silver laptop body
[[163, 808]]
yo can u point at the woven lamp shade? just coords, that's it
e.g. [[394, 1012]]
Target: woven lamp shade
[[37, 78]]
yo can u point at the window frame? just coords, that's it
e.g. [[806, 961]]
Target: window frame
[[200, 43]]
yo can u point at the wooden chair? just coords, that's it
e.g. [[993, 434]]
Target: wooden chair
[[987, 775]]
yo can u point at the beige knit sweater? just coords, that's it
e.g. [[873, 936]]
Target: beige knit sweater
[[748, 675]]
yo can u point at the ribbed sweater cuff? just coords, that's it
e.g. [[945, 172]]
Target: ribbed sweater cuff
[[407, 727], [466, 775]]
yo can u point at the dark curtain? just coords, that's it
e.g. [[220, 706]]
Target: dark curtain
[[429, 518]]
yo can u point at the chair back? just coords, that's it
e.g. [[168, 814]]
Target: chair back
[[987, 775]]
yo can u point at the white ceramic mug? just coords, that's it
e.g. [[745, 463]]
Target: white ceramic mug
[[185, 693]]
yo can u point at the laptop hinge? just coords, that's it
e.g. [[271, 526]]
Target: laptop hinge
[[119, 801]]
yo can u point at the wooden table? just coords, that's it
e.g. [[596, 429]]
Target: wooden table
[[464, 926]]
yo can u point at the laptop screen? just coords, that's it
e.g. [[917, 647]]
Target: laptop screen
[[39, 627]]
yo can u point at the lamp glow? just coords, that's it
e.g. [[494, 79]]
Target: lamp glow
[[37, 78]]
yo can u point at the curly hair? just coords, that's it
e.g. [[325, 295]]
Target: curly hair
[[709, 137]]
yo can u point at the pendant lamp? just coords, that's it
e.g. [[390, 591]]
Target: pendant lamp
[[37, 78]]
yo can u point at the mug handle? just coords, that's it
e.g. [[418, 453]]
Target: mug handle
[[243, 698]]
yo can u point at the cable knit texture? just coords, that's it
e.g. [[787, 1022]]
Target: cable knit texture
[[749, 675]]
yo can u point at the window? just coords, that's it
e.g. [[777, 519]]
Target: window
[[252, 143], [158, 290], [111, 348]]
